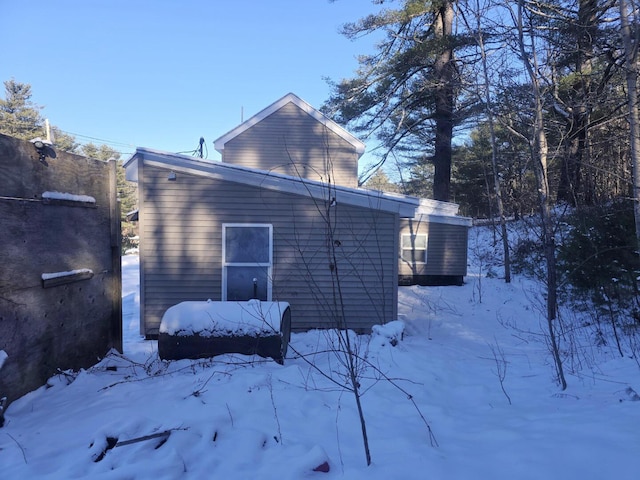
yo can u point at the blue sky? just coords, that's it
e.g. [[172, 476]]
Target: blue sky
[[162, 73]]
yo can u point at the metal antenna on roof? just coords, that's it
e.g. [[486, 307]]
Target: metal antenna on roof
[[241, 114]]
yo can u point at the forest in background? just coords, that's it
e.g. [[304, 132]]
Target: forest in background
[[525, 109], [461, 91]]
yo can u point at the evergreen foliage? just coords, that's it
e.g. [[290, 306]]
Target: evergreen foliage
[[406, 93], [599, 262], [19, 116], [380, 181], [600, 249]]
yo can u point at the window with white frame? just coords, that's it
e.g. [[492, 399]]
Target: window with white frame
[[414, 248], [247, 260]]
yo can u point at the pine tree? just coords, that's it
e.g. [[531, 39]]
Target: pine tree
[[127, 192], [381, 181], [19, 116], [406, 93]]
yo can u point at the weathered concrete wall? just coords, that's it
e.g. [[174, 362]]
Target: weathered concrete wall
[[71, 321]]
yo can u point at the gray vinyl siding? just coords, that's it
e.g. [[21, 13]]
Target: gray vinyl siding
[[446, 248], [292, 142], [181, 242]]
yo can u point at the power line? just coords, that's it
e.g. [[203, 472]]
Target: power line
[[102, 140], [201, 151]]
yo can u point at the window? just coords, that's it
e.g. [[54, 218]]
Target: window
[[414, 248], [247, 256]]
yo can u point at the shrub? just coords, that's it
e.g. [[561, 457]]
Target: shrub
[[599, 251], [527, 257]]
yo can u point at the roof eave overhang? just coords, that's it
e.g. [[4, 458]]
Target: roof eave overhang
[[444, 219], [131, 168]]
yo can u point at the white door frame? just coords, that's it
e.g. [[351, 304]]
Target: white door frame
[[226, 264]]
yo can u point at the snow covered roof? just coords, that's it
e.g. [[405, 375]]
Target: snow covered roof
[[405, 206], [289, 98], [436, 211]]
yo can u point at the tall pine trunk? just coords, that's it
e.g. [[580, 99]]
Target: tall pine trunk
[[444, 102], [575, 187]]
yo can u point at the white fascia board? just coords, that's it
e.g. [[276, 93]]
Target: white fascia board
[[219, 143], [427, 206], [445, 219], [437, 207], [131, 168], [405, 206]]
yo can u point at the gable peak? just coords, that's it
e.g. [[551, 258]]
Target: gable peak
[[220, 142]]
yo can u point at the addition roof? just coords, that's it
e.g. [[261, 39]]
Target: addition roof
[[277, 105]]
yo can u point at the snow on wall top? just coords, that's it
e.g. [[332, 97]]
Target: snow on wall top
[[211, 318], [50, 276], [70, 197]]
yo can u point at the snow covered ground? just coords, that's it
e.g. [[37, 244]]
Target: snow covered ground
[[238, 417]]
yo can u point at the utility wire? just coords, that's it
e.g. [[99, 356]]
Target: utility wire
[[201, 151], [102, 140]]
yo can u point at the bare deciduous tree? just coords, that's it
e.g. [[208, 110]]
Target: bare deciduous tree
[[630, 40], [528, 54], [485, 91]]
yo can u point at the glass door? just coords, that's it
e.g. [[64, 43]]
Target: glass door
[[247, 256]]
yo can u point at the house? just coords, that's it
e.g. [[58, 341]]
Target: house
[[280, 218], [293, 138], [433, 245], [211, 230]]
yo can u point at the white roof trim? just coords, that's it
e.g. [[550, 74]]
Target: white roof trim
[[289, 98], [437, 207], [446, 219], [405, 206], [428, 206], [131, 169]]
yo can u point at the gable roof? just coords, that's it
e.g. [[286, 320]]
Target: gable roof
[[405, 206], [277, 105]]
